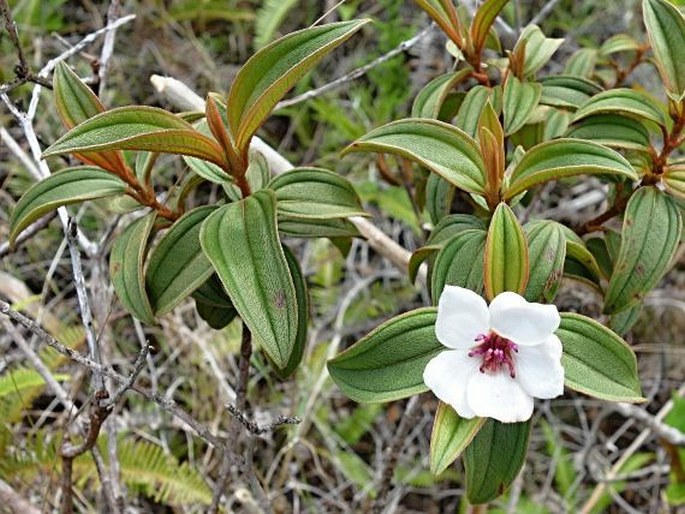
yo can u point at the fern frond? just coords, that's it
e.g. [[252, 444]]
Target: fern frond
[[269, 18], [146, 467]]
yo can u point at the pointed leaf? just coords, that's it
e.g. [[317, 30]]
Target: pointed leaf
[[518, 102], [76, 103], [628, 102], [494, 459], [315, 193], [471, 109], [652, 225], [177, 265], [71, 185], [596, 361], [241, 241], [451, 435], [429, 100], [270, 73], [440, 147], [388, 363], [506, 254], [547, 251], [666, 31], [460, 263], [444, 14], [536, 48], [483, 20], [565, 158], [619, 43], [138, 128], [126, 267]]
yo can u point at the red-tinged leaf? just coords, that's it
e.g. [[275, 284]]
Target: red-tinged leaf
[[483, 20], [76, 103], [445, 15], [666, 30], [269, 74], [138, 128]]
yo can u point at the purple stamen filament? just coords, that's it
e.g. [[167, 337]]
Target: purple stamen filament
[[495, 352]]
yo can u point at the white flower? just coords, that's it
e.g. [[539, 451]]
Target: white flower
[[498, 358]]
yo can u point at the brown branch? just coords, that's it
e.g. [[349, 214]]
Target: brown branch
[[256, 429]]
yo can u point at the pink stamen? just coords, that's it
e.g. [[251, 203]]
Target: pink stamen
[[495, 351]]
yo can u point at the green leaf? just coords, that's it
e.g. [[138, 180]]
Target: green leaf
[[216, 317], [302, 315], [126, 267], [623, 321], [582, 63], [494, 459], [567, 91], [138, 128], [453, 224], [628, 102], [429, 100], [518, 102], [442, 148], [674, 180], [451, 435], [562, 158], [612, 130], [305, 228], [75, 103], [241, 241], [213, 304], [445, 15], [666, 30], [537, 49], [652, 225], [619, 43], [314, 193], [258, 172], [483, 20], [471, 109], [71, 185], [439, 197], [596, 361], [388, 363], [270, 73], [506, 254], [460, 263], [547, 251], [556, 123], [177, 265]]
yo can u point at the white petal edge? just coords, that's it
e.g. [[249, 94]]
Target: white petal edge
[[447, 375], [498, 396], [524, 323], [462, 316], [539, 369]]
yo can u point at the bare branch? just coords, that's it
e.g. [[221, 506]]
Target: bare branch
[[254, 428]]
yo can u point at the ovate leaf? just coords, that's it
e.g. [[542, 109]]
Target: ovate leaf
[[471, 109], [177, 265], [666, 31], [440, 147], [451, 435], [388, 363], [429, 100], [596, 361], [71, 185], [126, 267], [241, 241], [314, 193], [138, 128], [612, 130], [506, 254], [536, 49], [652, 226], [567, 91], [674, 180], [270, 73], [565, 158], [494, 459], [445, 15]]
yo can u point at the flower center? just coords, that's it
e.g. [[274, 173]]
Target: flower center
[[495, 352]]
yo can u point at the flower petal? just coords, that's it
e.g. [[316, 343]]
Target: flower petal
[[539, 369], [524, 323], [447, 374], [462, 316], [498, 396]]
